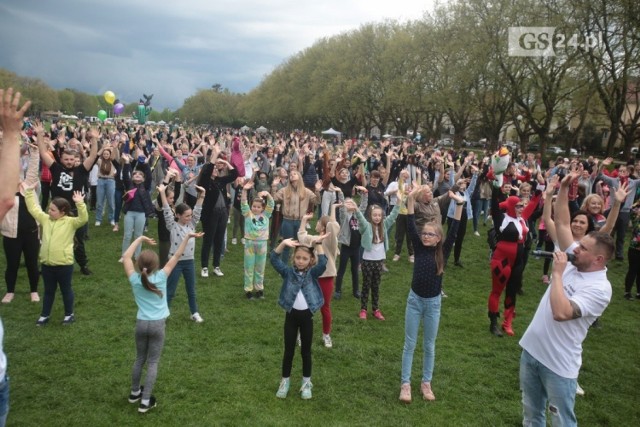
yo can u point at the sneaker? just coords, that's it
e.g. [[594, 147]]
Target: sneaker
[[35, 297], [378, 315], [242, 240], [197, 318], [85, 270], [113, 223], [98, 224], [249, 295], [8, 298], [133, 398], [68, 319], [411, 259], [458, 264], [357, 295], [384, 268], [116, 228], [579, 390], [144, 408], [326, 338], [475, 233], [627, 296], [337, 295], [42, 320], [405, 393], [234, 241], [363, 314], [305, 390], [442, 294], [396, 257], [260, 294], [283, 389], [545, 279], [638, 296], [204, 272], [217, 272], [427, 393]]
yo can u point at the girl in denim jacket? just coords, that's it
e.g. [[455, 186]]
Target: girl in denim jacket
[[300, 296]]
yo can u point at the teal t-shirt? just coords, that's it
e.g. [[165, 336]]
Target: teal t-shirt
[[151, 306]]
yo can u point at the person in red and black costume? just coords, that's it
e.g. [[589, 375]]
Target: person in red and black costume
[[510, 220]]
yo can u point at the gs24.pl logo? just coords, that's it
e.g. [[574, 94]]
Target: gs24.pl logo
[[549, 41]]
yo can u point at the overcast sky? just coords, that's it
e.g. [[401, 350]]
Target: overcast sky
[[171, 49]]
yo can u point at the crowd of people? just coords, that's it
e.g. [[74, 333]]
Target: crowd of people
[[271, 187]]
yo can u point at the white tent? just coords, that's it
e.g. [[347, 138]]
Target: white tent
[[262, 129], [245, 128], [331, 131]]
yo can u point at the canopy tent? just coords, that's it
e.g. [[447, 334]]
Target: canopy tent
[[387, 136], [245, 128], [331, 131], [262, 129]]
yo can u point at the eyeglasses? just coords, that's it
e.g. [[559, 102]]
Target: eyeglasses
[[428, 234]]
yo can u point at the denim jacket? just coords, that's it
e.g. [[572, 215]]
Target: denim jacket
[[292, 283]]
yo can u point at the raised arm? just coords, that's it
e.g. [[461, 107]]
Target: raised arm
[[562, 214], [127, 257], [92, 135], [170, 265], [11, 123], [620, 196], [547, 209]]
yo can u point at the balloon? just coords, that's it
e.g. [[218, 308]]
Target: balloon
[[102, 115], [118, 108], [109, 97]]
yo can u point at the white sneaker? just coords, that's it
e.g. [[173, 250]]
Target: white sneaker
[[442, 294], [242, 240], [97, 223], [197, 318], [234, 241], [396, 257], [204, 272], [579, 390], [327, 340], [475, 233], [217, 272], [411, 259]]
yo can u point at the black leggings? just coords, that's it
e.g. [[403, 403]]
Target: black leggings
[[347, 253], [462, 230], [214, 226], [294, 321], [633, 256], [26, 243]]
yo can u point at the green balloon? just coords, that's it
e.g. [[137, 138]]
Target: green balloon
[[102, 115]]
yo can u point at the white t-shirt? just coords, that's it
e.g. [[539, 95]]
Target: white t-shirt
[[558, 345]]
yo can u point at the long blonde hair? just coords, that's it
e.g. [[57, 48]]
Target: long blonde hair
[[299, 189]]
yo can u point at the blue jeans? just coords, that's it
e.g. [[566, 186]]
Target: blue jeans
[[4, 400], [118, 205], [133, 228], [289, 229], [540, 386], [106, 192], [480, 205], [186, 268], [427, 310], [52, 276]]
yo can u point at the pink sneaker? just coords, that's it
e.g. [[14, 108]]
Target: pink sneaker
[[545, 279], [363, 314], [378, 315]]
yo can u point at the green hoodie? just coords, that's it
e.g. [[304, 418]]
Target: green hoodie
[[57, 235]]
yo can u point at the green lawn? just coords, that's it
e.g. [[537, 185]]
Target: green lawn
[[226, 370]]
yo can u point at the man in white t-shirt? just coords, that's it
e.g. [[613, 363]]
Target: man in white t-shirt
[[552, 344]]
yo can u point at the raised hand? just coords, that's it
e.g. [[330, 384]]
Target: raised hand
[[622, 192], [10, 115], [77, 197]]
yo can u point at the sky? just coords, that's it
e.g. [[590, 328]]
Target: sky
[[172, 49]]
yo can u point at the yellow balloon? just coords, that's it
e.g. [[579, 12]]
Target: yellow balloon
[[110, 97]]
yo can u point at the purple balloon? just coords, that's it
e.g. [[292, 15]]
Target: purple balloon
[[118, 108]]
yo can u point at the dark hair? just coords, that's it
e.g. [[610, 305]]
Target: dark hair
[[148, 262], [62, 204], [182, 208], [591, 226]]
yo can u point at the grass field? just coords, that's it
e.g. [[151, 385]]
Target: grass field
[[226, 370]]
